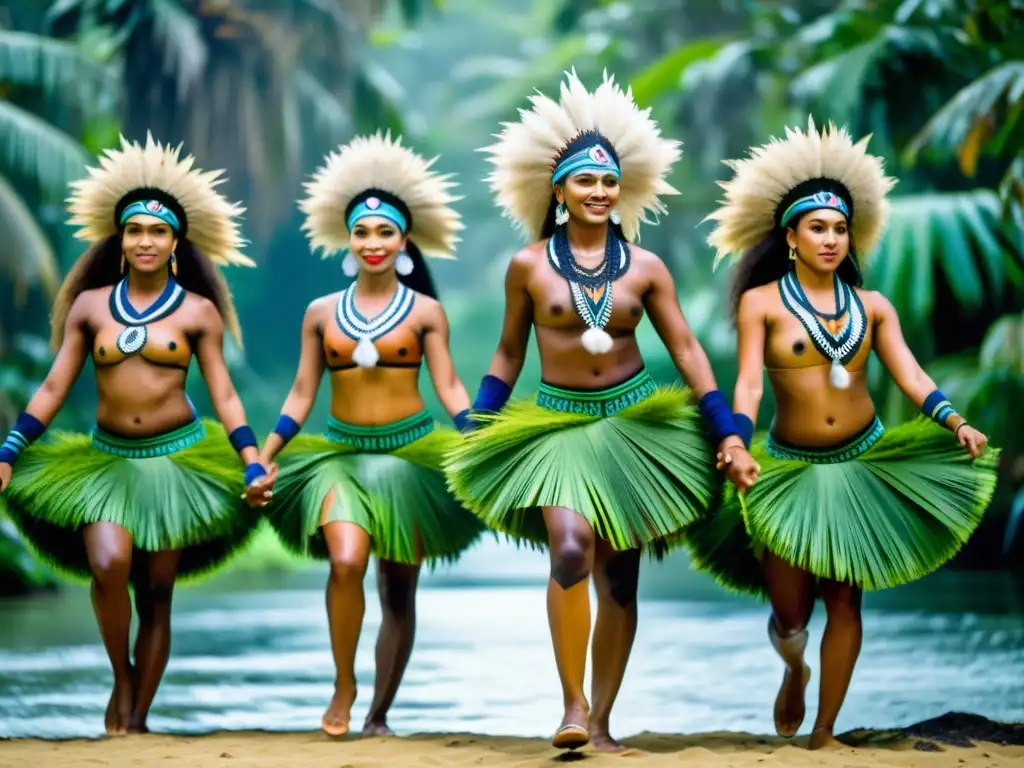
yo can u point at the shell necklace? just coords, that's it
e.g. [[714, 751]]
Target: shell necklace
[[366, 329], [133, 337]]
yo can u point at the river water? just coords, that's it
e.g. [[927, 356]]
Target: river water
[[250, 651]]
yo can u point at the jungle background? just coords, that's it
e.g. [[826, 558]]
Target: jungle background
[[265, 88]]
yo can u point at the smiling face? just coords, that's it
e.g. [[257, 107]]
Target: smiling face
[[590, 197], [147, 243], [821, 239], [376, 241]]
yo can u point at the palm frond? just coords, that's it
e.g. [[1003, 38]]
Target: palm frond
[[184, 49], [26, 257], [969, 119], [961, 232], [37, 149], [61, 70], [331, 119]]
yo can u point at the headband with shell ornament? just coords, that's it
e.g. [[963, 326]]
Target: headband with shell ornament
[[805, 171], [376, 176], [155, 180]]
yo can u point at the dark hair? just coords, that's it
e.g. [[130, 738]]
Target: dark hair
[[100, 266], [419, 279], [769, 260]]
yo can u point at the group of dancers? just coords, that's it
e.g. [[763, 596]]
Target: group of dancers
[[601, 467]]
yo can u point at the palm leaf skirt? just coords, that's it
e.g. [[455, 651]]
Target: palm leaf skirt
[[386, 479], [885, 509], [634, 461], [181, 490]]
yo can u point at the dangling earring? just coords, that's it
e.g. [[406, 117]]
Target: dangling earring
[[122, 262], [615, 217], [792, 255], [349, 265], [404, 264], [561, 214], [174, 264]]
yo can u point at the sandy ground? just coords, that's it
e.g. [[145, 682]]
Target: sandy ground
[[946, 742]]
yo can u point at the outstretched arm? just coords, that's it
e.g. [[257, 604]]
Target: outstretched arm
[[304, 389], [662, 305], [750, 327], [449, 388], [50, 396], [892, 350]]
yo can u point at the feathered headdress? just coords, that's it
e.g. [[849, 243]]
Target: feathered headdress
[[137, 173], [801, 172], [357, 173], [527, 152]]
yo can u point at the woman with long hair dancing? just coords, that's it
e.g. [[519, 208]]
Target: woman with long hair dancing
[[152, 495], [372, 483], [842, 504]]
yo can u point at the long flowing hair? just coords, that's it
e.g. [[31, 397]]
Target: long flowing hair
[[100, 266]]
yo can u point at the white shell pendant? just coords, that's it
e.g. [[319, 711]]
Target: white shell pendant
[[838, 377], [597, 341], [366, 354], [132, 339]]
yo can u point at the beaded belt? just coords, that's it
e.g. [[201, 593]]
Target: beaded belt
[[845, 452], [382, 437], [601, 402], [149, 447]]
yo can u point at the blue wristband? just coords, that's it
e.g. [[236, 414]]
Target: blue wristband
[[286, 427], [937, 407], [492, 395], [26, 430], [242, 438], [745, 427], [254, 472], [463, 422], [718, 415]]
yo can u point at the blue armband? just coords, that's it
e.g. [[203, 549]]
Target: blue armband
[[254, 472], [937, 407], [718, 415], [463, 421], [26, 430], [286, 427], [492, 395], [242, 438], [745, 427]]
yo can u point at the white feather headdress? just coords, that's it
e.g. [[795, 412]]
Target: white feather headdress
[[764, 179], [380, 162], [211, 221], [525, 154]]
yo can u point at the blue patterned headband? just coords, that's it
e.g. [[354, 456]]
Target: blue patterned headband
[[592, 159], [374, 206], [151, 208], [815, 202]]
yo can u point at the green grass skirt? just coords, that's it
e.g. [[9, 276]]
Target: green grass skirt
[[397, 494], [888, 516], [188, 498], [639, 475]]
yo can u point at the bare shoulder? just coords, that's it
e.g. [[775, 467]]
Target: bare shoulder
[[875, 304], [759, 301], [428, 305], [323, 304], [527, 259], [89, 299], [203, 309]]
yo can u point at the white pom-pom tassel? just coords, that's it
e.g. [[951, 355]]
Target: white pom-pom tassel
[[366, 354], [597, 342], [838, 377]]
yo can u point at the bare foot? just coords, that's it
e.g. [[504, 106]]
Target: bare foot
[[602, 741], [335, 721], [119, 709], [790, 707], [377, 728], [573, 733], [138, 728], [822, 738]]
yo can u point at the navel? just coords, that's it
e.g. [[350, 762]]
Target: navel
[[830, 421]]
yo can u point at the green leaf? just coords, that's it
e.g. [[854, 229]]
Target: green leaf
[[184, 49], [61, 70], [26, 257], [37, 149], [665, 75]]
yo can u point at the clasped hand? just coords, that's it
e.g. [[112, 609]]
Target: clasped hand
[[739, 465], [260, 491]]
